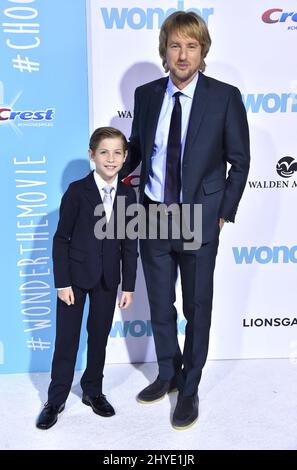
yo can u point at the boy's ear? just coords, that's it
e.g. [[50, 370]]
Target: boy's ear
[[90, 152], [125, 154]]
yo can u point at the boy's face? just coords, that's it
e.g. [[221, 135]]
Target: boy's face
[[109, 158]]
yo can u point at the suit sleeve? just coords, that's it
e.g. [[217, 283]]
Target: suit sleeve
[[237, 153], [134, 151], [129, 255], [62, 238]]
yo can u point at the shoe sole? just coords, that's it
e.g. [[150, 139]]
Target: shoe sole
[[96, 411], [44, 428], [182, 428], [148, 402]]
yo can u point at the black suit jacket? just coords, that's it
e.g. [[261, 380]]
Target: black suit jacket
[[79, 257], [217, 134]]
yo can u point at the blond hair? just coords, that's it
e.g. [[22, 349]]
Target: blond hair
[[188, 24]]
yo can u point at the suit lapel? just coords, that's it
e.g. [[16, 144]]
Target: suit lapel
[[91, 190], [156, 100], [197, 111]]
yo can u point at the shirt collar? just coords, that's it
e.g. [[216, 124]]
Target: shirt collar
[[101, 183], [188, 91]]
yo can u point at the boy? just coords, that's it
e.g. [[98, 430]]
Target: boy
[[86, 264]]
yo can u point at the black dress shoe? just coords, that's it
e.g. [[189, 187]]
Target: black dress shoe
[[186, 412], [156, 391], [49, 416], [99, 405]]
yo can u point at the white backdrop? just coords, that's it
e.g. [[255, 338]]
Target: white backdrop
[[253, 48]]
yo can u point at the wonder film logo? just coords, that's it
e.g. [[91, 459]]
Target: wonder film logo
[[138, 328], [270, 102], [149, 18], [265, 254]]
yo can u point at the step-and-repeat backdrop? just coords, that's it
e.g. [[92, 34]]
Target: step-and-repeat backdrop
[[44, 127], [66, 70]]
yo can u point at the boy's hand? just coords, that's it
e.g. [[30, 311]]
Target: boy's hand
[[126, 299], [66, 295]]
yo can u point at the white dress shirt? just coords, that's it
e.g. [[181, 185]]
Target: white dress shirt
[[155, 186], [101, 184]]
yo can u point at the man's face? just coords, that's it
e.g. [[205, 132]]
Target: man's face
[[183, 57]]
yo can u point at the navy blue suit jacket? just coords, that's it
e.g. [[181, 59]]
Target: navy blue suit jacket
[[217, 134], [79, 257]]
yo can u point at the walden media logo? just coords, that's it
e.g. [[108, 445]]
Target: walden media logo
[[286, 167], [149, 18], [276, 321], [265, 254], [125, 114]]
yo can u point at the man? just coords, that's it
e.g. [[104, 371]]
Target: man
[[185, 130]]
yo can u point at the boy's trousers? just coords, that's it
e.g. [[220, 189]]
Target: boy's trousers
[[68, 326]]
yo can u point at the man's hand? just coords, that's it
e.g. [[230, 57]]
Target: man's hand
[[221, 223], [126, 299], [66, 295]]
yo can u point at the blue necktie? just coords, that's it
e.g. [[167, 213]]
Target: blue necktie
[[173, 160]]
